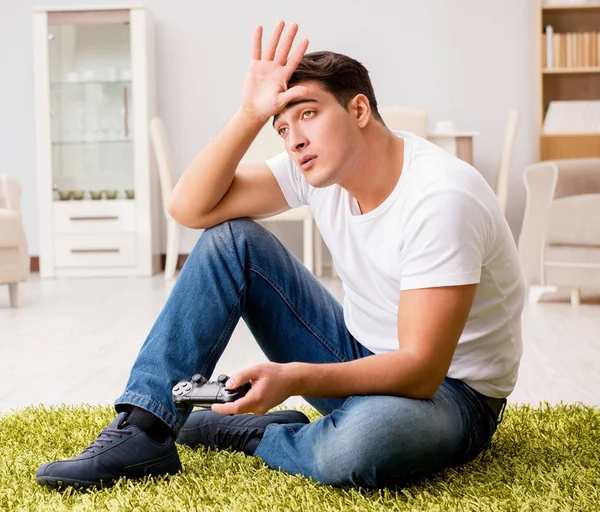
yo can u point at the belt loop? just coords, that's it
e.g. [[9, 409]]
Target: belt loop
[[501, 415]]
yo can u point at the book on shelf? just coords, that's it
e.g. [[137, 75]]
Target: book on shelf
[[572, 117], [563, 3], [549, 40], [570, 49]]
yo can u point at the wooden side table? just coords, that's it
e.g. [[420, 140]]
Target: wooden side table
[[459, 143]]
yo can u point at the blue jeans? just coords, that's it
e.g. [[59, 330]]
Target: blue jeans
[[239, 269]]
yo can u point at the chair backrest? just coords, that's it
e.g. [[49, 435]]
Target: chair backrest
[[164, 159], [266, 145], [4, 200], [503, 177], [10, 192], [405, 119]]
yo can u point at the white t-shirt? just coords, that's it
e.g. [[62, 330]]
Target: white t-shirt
[[441, 225]]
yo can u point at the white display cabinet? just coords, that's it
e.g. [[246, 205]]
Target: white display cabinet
[[94, 98]]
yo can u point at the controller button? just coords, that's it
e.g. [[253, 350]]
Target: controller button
[[198, 379], [222, 379], [181, 388]]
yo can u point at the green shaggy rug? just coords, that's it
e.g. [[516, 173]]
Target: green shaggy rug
[[542, 458]]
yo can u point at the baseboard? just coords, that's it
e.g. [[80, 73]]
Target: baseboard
[[34, 265], [180, 260]]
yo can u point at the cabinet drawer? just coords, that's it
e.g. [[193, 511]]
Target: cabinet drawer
[[79, 251], [94, 216]]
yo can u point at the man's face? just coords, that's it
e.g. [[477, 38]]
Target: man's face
[[318, 134]]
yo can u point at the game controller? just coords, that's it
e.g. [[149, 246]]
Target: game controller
[[198, 391]]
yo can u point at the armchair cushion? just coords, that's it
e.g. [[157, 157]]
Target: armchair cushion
[[574, 221], [576, 176]]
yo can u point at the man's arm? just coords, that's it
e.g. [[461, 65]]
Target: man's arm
[[253, 192], [430, 322], [213, 188]]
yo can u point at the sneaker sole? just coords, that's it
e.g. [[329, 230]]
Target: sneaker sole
[[59, 483], [62, 483]]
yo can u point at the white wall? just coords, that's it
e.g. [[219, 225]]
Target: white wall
[[464, 60]]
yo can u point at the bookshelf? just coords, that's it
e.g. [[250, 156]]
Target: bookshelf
[[573, 74]]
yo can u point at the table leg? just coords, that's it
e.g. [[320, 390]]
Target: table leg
[[464, 149]]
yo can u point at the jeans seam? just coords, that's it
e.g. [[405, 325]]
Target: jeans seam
[[218, 346], [347, 401], [282, 294], [224, 334]]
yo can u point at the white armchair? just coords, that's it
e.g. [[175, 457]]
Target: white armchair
[[559, 242], [14, 256]]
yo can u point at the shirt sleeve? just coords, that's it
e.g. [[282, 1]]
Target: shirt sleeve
[[446, 233], [290, 179]]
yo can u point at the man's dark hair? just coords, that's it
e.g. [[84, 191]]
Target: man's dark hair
[[339, 75]]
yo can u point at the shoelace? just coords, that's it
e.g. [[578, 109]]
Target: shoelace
[[235, 439], [105, 437]]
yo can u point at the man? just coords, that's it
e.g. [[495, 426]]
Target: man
[[410, 374]]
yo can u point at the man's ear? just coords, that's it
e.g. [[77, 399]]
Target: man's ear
[[360, 108]]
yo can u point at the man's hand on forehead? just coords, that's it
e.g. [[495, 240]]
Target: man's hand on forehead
[[265, 90]]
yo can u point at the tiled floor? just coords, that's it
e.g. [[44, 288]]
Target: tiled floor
[[61, 345]]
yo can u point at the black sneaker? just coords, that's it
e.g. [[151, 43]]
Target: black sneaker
[[120, 450], [241, 432]]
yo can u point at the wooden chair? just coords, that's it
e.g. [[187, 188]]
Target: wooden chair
[[503, 176], [164, 159], [405, 119], [267, 145]]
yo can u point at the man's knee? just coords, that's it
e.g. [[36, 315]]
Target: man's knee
[[221, 236], [234, 229], [349, 460]]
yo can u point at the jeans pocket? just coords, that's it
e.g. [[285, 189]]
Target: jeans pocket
[[482, 434], [347, 402], [479, 429]]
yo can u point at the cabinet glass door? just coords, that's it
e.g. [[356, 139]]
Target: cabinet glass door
[[91, 107]]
